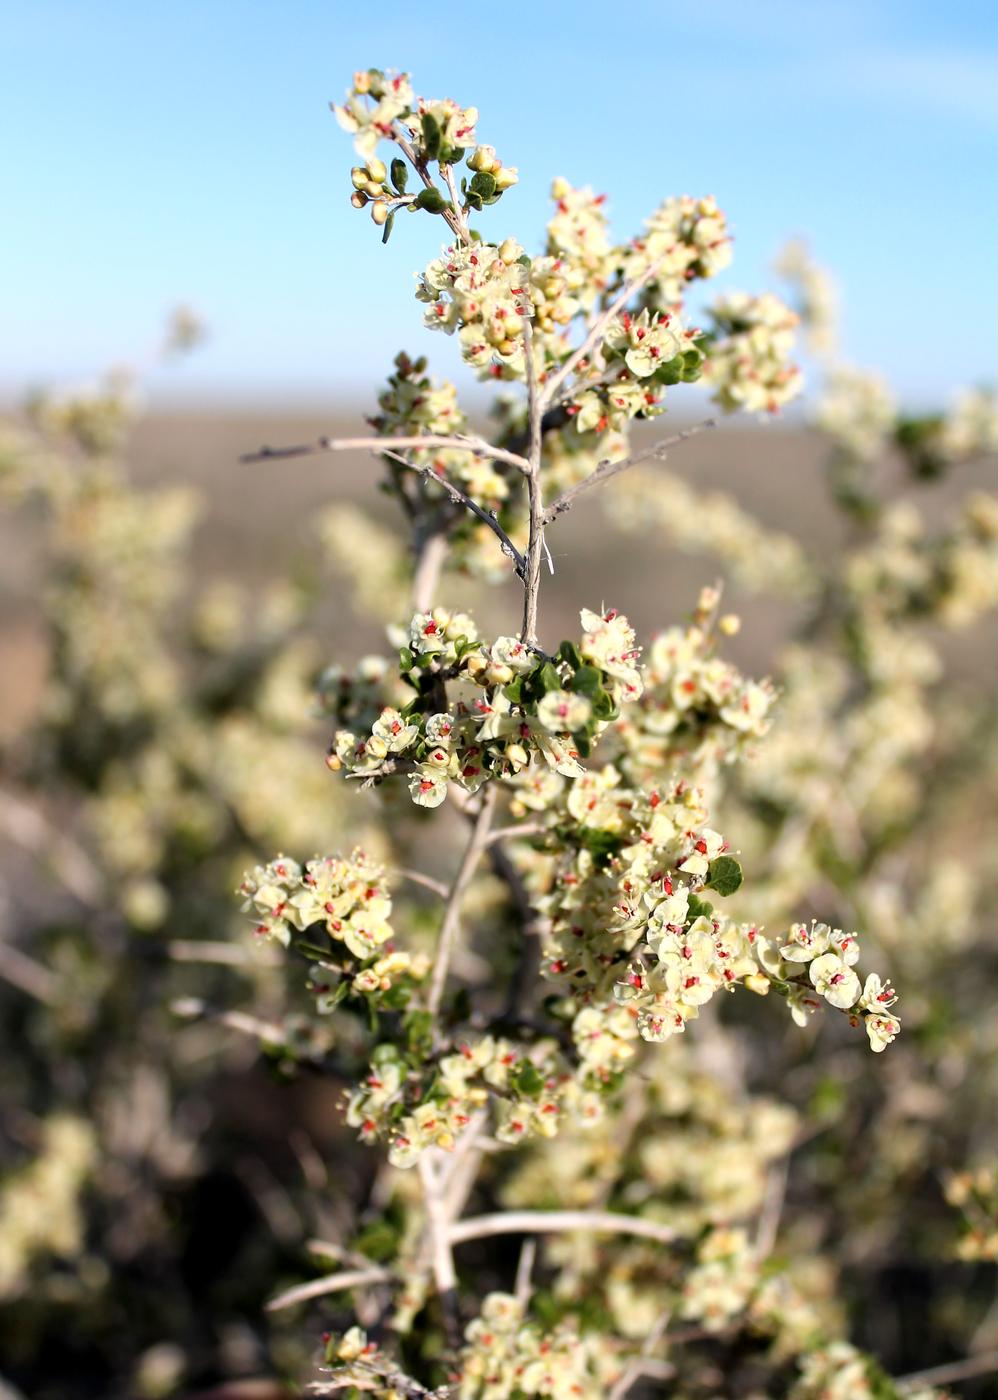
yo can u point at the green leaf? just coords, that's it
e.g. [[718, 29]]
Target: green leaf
[[603, 705], [514, 691], [724, 875], [698, 908], [583, 743], [549, 678], [418, 1029], [484, 184], [527, 1080], [431, 136], [569, 652], [586, 681], [430, 199], [474, 201], [400, 175], [389, 225], [406, 659]]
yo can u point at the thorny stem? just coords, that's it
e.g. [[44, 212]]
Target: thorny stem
[[607, 469], [452, 911], [487, 517]]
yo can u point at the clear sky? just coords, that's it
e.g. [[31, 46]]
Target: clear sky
[[161, 152]]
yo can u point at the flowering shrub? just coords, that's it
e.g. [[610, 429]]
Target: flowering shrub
[[532, 866], [587, 775]]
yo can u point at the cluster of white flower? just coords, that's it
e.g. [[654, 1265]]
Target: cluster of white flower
[[685, 239], [695, 708], [40, 1205], [748, 361], [578, 235], [508, 1355], [514, 707], [348, 896], [482, 291], [375, 102], [975, 1194], [719, 1285], [815, 296], [858, 411], [532, 1094], [710, 522], [970, 429]]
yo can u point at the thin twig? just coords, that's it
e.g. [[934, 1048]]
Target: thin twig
[[488, 517], [461, 213], [194, 1009], [638, 1366], [772, 1209], [415, 877], [27, 975], [206, 950], [452, 912], [608, 469], [535, 546], [457, 442], [980, 1365], [515, 832], [451, 217], [332, 1283], [28, 827], [523, 1286], [545, 1222]]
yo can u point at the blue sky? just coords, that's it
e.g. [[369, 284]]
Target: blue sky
[[184, 151]]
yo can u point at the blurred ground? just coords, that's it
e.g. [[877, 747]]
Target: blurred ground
[[260, 521]]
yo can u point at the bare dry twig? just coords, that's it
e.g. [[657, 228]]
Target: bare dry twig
[[607, 469]]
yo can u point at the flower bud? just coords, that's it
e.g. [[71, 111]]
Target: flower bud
[[757, 983], [730, 624], [379, 211], [708, 600], [509, 250], [359, 177], [505, 176], [482, 158], [377, 169], [358, 200], [517, 755], [498, 673], [333, 762], [374, 189]]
